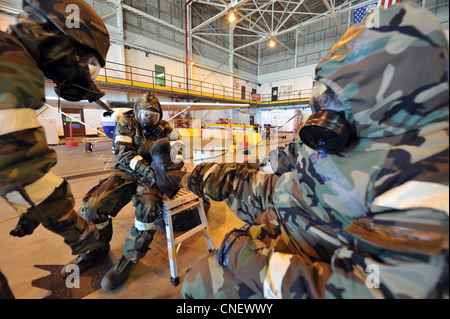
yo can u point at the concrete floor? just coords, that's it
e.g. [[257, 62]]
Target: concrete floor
[[151, 276]]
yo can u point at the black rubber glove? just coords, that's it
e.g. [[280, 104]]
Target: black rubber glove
[[144, 146], [25, 226], [227, 245], [157, 131]]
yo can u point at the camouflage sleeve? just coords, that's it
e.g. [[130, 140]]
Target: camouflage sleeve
[[25, 158], [125, 150], [268, 264], [247, 192], [380, 260], [21, 81]]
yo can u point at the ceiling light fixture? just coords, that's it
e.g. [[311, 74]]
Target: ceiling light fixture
[[271, 43], [232, 16]]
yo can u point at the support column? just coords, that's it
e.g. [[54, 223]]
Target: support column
[[123, 52], [259, 61], [231, 40], [188, 33], [297, 33]]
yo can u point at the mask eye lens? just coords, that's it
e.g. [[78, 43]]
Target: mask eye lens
[[323, 97], [147, 117], [94, 67], [324, 100]]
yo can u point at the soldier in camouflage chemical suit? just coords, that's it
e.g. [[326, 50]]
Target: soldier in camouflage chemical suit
[[132, 180], [365, 213], [40, 45]]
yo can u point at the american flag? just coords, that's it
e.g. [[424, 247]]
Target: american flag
[[387, 3], [360, 13]]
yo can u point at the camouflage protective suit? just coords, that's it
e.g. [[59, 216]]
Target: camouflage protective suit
[[26, 179], [128, 182], [369, 222], [41, 45]]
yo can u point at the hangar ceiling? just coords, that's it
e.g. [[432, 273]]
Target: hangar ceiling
[[257, 21], [216, 45]]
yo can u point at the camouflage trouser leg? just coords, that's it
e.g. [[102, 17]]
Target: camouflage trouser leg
[[148, 202], [108, 198], [58, 215], [209, 280], [105, 201]]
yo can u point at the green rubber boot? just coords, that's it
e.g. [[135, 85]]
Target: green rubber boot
[[116, 277], [86, 260]]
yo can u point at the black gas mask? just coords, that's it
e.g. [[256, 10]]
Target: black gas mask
[[80, 85], [327, 129], [147, 112], [72, 65], [149, 119]]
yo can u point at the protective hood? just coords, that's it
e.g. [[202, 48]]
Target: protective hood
[[390, 72], [72, 65], [148, 102], [78, 21]]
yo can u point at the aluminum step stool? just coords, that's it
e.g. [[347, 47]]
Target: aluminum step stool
[[184, 199]]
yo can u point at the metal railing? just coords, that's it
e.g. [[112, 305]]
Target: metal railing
[[129, 75]]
